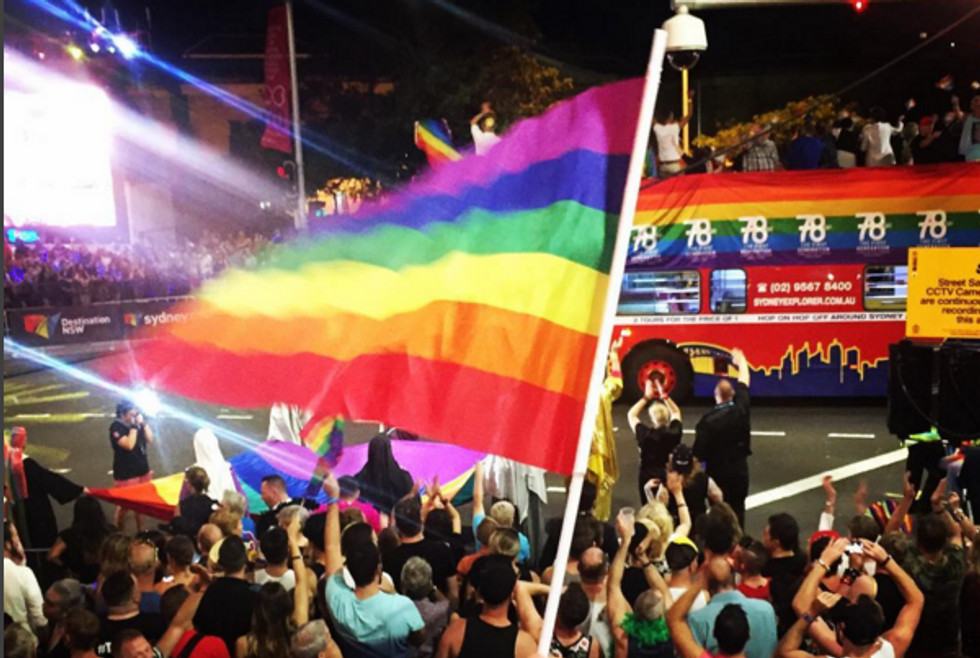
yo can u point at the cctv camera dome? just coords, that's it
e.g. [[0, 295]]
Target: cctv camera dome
[[684, 60], [685, 33]]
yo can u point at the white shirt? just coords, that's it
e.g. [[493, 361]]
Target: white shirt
[[668, 141], [22, 598], [700, 602], [483, 141], [876, 141], [287, 580]]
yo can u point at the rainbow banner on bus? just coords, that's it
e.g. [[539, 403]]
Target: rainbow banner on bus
[[851, 216]]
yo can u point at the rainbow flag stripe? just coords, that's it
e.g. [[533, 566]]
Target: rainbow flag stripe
[[465, 309], [325, 437], [432, 139]]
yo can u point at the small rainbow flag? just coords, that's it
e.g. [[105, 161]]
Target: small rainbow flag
[[432, 138], [946, 84], [325, 437]]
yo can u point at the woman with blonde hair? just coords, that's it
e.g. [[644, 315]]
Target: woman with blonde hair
[[655, 442]]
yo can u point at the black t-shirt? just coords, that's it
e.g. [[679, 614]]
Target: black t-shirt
[[695, 495], [634, 584], [723, 435], [436, 553], [786, 574], [195, 511], [656, 444], [226, 611], [83, 564], [151, 626], [269, 519], [128, 464]]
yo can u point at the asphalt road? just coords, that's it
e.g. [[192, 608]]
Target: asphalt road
[[794, 443]]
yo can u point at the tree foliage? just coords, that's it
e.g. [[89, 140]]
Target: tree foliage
[[784, 121]]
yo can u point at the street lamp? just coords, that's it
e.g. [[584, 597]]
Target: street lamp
[[686, 40]]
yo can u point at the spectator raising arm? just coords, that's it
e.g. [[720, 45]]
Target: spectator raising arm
[[331, 534], [898, 518], [789, 647], [900, 636], [675, 485], [740, 362], [649, 394], [301, 593], [680, 630]]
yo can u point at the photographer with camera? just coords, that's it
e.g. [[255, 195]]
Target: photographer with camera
[[129, 436]]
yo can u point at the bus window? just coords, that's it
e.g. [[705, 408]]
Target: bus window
[[728, 291], [660, 293], [885, 287]]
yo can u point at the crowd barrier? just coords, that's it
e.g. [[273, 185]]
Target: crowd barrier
[[96, 323]]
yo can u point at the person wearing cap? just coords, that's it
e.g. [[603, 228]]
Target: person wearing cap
[[682, 558], [658, 440], [861, 627], [723, 437], [227, 606], [698, 488], [491, 633]]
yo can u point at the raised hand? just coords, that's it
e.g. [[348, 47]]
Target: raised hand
[[874, 551], [861, 497], [675, 483], [834, 551], [828, 487], [648, 390], [331, 487], [937, 496], [909, 489]]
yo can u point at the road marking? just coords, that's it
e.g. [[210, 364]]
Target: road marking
[[557, 490], [754, 433], [30, 416], [234, 417], [836, 435], [816, 481], [61, 471]]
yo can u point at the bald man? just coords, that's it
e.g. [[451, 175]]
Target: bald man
[[593, 569], [760, 614], [723, 440], [143, 563]]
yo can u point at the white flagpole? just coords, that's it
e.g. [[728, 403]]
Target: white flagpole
[[630, 198], [301, 219]]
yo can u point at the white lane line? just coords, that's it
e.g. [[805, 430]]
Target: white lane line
[[30, 416], [557, 490], [754, 433], [234, 417], [837, 435], [61, 471], [816, 481]]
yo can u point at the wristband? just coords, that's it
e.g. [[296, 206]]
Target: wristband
[[296, 557], [823, 564], [885, 563], [332, 501], [807, 618]]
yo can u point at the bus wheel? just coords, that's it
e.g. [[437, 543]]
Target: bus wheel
[[670, 365]]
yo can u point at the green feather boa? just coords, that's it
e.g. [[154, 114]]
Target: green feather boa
[[647, 633]]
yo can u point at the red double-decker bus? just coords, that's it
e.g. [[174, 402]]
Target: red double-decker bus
[[806, 272]]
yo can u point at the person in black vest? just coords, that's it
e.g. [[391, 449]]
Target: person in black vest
[[491, 633], [723, 437]]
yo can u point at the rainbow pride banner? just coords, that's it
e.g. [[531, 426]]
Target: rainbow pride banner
[[297, 464], [466, 308], [843, 216]]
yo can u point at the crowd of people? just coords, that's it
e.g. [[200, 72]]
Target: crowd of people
[[386, 568], [70, 274], [879, 141]]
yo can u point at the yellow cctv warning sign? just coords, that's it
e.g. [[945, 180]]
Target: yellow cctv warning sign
[[944, 293]]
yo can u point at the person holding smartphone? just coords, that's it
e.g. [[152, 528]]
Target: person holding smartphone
[[129, 436]]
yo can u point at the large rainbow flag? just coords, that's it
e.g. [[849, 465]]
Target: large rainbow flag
[[465, 309], [297, 465]]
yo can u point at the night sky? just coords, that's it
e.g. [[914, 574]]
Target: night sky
[[819, 49]]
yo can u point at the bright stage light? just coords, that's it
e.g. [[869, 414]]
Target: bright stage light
[[95, 48], [147, 402], [127, 47], [57, 144], [75, 52]]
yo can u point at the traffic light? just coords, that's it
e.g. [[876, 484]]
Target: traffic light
[[859, 5], [287, 171]]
